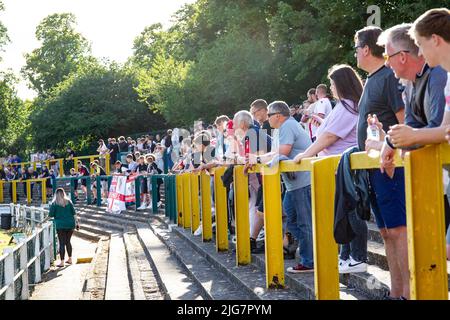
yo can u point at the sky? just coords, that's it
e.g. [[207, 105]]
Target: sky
[[110, 26]]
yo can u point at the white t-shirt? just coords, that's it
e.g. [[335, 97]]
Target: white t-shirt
[[447, 93], [324, 107]]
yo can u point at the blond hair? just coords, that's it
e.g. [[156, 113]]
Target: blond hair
[[60, 198]]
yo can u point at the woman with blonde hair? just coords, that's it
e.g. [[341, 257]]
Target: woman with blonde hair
[[65, 217]]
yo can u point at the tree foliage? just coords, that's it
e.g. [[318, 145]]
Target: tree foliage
[[62, 51], [220, 55], [98, 101]]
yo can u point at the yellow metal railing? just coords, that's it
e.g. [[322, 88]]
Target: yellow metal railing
[[424, 208], [91, 159], [28, 189], [23, 165]]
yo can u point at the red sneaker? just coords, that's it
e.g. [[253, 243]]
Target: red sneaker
[[299, 269]]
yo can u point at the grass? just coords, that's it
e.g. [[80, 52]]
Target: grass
[[4, 240]]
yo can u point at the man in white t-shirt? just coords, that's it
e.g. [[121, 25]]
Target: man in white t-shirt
[[322, 108]]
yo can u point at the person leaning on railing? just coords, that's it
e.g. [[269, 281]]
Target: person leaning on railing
[[66, 220], [290, 139], [335, 135], [431, 33], [98, 172]]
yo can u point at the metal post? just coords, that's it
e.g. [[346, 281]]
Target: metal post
[[195, 205], [72, 190], [137, 192], [14, 191], [425, 224], [220, 195], [89, 190], [273, 227], [154, 181], [323, 185], [241, 205], [44, 190], [179, 182], [187, 200], [28, 188], [61, 168], [1, 191], [107, 164], [99, 191], [205, 180]]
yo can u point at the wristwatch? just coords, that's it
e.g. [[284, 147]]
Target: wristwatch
[[258, 159], [389, 143]]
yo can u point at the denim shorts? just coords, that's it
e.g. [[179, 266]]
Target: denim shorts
[[389, 206]]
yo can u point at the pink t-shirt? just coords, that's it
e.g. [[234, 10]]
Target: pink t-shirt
[[341, 123]]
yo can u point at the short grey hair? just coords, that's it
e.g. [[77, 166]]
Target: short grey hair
[[398, 36], [244, 117], [280, 107]]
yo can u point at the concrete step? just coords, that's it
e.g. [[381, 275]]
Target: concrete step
[[249, 279], [117, 227], [143, 280], [94, 286], [374, 233], [215, 284], [84, 234], [172, 277], [304, 283], [96, 230], [117, 282], [118, 217], [100, 217]]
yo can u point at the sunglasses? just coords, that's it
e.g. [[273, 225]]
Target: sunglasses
[[272, 114], [387, 57]]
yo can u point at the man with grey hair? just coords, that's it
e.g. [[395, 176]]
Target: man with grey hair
[[259, 143], [290, 139], [424, 108]]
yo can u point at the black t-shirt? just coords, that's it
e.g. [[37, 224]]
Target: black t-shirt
[[381, 96], [297, 117], [29, 176], [168, 141], [114, 149], [123, 146], [142, 168], [70, 154]]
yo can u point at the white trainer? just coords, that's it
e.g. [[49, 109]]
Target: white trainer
[[352, 266], [150, 206], [159, 204], [198, 231], [142, 207]]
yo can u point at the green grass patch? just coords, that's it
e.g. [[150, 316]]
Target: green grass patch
[[5, 237]]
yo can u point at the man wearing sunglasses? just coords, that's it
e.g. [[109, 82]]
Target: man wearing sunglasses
[[382, 97]]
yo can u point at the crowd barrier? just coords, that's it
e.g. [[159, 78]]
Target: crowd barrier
[[27, 261], [424, 206], [188, 201]]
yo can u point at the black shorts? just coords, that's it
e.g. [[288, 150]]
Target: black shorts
[[144, 186]]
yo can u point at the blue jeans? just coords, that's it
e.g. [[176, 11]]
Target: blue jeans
[[357, 248], [297, 205]]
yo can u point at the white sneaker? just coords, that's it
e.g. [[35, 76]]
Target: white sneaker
[[198, 231], [159, 204], [149, 206], [142, 207], [352, 266]]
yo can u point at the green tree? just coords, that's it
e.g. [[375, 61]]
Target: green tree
[[13, 116], [62, 51], [99, 101]]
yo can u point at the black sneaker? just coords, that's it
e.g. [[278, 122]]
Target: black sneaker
[[254, 247]]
